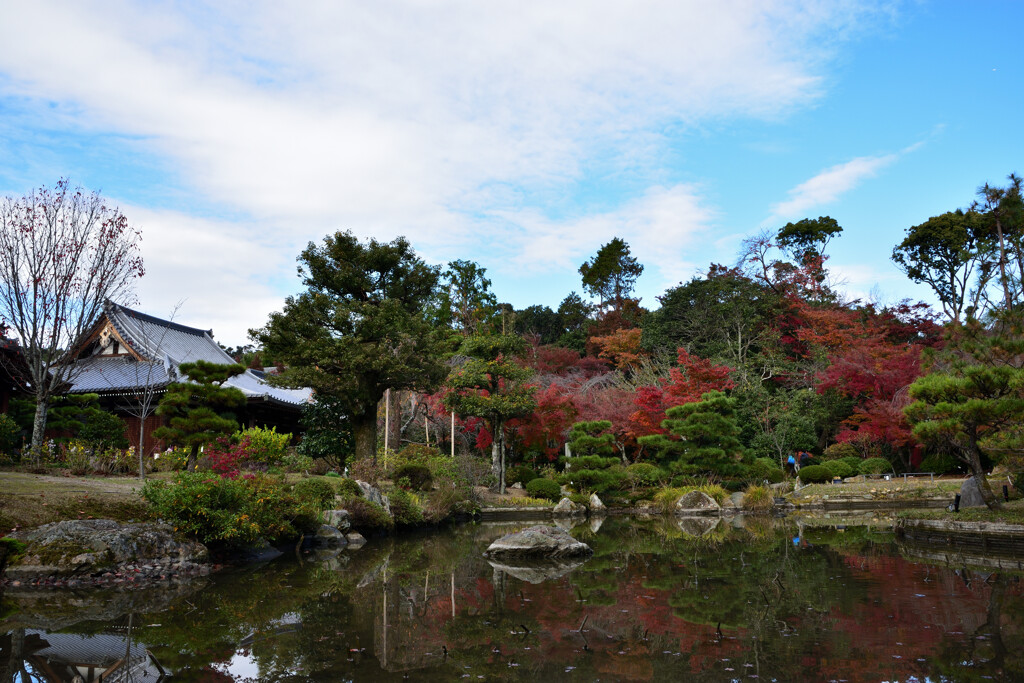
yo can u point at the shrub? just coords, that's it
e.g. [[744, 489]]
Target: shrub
[[295, 462], [589, 462], [766, 469], [332, 474], [940, 463], [644, 474], [418, 476], [231, 512], [263, 446], [415, 453], [544, 488], [348, 488], [814, 474], [839, 451], [10, 434], [367, 517], [367, 470], [596, 481], [318, 490], [405, 508], [854, 462], [838, 468], [520, 474], [875, 466], [758, 499]]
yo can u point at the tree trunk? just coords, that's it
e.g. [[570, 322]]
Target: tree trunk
[[142, 441], [990, 498], [39, 428], [496, 451], [193, 456], [364, 428]]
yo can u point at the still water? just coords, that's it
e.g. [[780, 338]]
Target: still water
[[815, 599]]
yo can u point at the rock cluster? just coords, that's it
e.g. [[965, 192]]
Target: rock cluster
[[102, 551]]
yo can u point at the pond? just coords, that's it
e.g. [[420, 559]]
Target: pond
[[819, 599]]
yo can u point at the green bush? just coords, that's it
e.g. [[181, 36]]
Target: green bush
[[644, 474], [419, 476], [840, 451], [875, 466], [416, 453], [296, 462], [597, 481], [520, 474], [814, 474], [231, 512], [348, 488], [318, 490], [405, 509], [10, 434], [766, 469], [589, 462], [854, 462], [838, 468], [367, 517], [544, 488], [939, 463], [263, 446]]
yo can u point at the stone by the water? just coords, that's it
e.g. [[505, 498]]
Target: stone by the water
[[329, 536], [566, 507], [970, 494], [697, 503], [355, 539], [339, 519], [538, 542], [595, 504]]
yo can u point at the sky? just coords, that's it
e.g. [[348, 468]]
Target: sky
[[520, 135]]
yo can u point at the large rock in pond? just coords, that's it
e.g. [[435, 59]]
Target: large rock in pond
[[697, 503], [970, 494], [328, 536], [596, 505], [567, 508], [537, 542], [80, 547]]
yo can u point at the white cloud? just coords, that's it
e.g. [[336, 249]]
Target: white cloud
[[828, 185], [432, 120]]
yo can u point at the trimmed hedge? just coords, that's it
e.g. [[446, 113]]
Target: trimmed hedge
[[544, 488], [814, 474]]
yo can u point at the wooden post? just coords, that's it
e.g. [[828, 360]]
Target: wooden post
[[453, 435], [387, 419], [426, 424]]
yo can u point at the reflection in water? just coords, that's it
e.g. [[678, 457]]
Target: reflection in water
[[659, 600]]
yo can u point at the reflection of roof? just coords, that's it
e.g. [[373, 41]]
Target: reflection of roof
[[163, 346], [101, 651]]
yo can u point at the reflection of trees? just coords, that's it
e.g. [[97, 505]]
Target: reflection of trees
[[983, 654]]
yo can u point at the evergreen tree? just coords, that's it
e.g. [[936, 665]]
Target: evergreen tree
[[709, 437], [359, 329], [611, 274], [200, 410], [491, 385]]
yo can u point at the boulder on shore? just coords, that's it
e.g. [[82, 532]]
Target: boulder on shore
[[697, 503], [970, 494], [339, 519], [567, 508], [596, 505], [538, 542], [328, 536], [374, 495]]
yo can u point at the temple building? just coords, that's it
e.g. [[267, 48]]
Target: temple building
[[129, 358]]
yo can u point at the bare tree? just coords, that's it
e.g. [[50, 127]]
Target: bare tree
[[63, 253]]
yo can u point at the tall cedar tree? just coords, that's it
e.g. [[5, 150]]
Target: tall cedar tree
[[611, 274], [360, 328], [199, 411], [491, 385], [63, 254]]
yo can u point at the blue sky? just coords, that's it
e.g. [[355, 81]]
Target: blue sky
[[516, 134]]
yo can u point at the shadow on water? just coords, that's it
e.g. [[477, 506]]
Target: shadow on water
[[814, 598]]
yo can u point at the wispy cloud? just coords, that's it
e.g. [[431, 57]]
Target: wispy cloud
[[829, 185]]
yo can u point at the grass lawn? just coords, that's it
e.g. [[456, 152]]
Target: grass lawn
[[28, 500], [1011, 513], [894, 488]]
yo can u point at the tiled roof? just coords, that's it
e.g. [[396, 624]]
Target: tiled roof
[[165, 345]]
